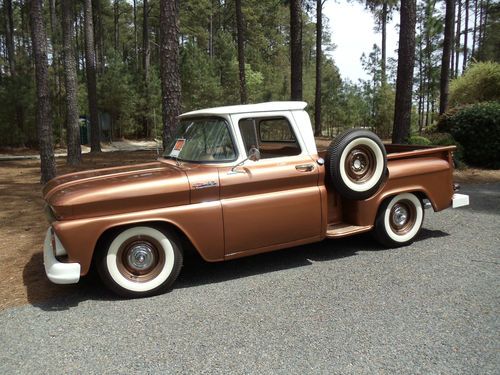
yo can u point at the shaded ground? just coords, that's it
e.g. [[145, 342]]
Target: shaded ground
[[23, 224]]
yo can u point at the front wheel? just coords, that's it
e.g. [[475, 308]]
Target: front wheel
[[140, 261], [399, 220]]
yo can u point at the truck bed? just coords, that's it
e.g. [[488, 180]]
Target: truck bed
[[399, 151], [412, 168]]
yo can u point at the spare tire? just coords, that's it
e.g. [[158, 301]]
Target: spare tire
[[357, 163]]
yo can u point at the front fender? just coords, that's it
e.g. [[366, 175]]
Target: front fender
[[201, 223]]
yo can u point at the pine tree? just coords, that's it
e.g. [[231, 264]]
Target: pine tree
[[169, 65], [240, 29], [90, 64], [43, 117], [404, 82], [296, 49], [70, 84]]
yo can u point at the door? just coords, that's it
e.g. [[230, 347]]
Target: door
[[275, 200]]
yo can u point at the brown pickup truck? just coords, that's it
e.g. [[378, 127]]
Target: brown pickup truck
[[237, 181]]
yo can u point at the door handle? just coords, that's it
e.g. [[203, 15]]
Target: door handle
[[305, 167]]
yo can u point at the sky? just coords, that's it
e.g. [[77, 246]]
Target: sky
[[352, 31]]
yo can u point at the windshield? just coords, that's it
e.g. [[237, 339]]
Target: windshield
[[201, 140]]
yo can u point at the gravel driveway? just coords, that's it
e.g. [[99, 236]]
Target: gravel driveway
[[342, 306]]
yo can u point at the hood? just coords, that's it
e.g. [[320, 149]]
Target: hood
[[116, 190]]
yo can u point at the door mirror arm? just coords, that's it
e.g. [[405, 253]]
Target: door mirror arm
[[253, 155]]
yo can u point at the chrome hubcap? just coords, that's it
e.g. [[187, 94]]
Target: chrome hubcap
[[360, 164], [400, 216], [140, 257]]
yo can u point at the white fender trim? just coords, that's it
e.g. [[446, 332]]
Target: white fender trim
[[58, 272]]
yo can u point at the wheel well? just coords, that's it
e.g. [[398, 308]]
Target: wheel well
[[108, 234], [420, 195]]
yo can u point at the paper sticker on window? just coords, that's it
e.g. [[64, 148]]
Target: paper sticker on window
[[179, 144]]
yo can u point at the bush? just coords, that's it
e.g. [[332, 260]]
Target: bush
[[446, 139], [480, 83], [477, 129], [419, 140]]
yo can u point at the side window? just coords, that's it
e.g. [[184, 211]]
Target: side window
[[274, 137], [276, 130], [248, 133]]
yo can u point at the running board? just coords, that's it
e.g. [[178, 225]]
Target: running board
[[343, 230]]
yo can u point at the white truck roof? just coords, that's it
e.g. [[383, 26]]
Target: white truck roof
[[247, 108]]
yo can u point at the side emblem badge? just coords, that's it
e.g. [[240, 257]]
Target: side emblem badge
[[204, 185]]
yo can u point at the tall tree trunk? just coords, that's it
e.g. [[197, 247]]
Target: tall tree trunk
[[145, 40], [9, 36], [429, 9], [116, 20], [43, 118], [70, 83], [98, 30], [56, 76], [90, 65], [473, 52], [24, 24], [52, 11], [420, 86], [296, 49], [481, 23], [169, 67], [384, 42], [11, 57], [136, 48], [240, 27], [458, 35], [211, 31], [319, 39], [445, 60], [466, 34], [145, 65], [486, 7], [404, 82], [80, 45], [428, 104]]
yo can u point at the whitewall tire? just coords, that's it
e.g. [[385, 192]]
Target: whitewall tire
[[140, 261], [399, 220], [357, 164]]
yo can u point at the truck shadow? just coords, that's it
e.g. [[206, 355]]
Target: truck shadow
[[195, 272], [198, 272], [41, 293]]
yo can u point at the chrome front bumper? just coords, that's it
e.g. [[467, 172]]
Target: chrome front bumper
[[460, 200], [58, 272]]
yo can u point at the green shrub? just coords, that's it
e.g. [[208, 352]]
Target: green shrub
[[419, 140], [446, 139], [477, 129], [479, 83]]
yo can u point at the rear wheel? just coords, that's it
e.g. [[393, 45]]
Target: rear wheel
[[399, 220], [140, 261]]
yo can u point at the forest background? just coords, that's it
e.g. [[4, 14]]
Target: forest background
[[125, 69]]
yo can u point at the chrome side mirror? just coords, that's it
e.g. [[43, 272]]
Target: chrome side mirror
[[253, 155]]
